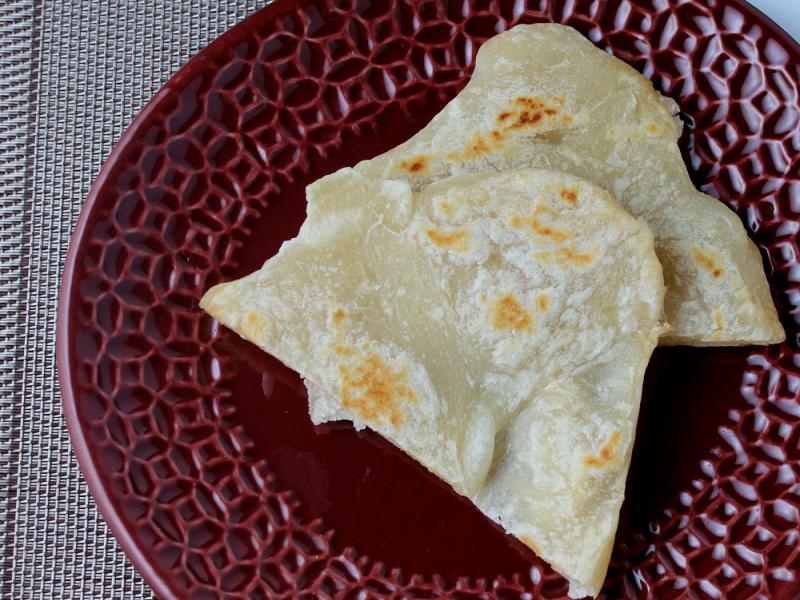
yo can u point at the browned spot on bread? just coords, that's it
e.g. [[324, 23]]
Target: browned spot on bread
[[338, 316], [416, 164], [455, 240], [508, 314], [543, 302], [539, 228], [446, 207], [547, 231], [651, 128], [718, 319], [569, 255], [479, 146], [255, 326], [524, 112], [565, 255], [527, 111], [534, 102], [530, 544], [375, 391], [705, 261], [568, 195], [341, 350], [606, 454]]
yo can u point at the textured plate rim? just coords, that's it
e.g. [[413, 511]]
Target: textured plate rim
[[64, 324]]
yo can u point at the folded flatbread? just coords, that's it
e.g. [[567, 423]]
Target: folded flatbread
[[544, 96], [496, 327]]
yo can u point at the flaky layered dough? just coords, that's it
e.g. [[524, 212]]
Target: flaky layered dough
[[495, 327], [544, 96]]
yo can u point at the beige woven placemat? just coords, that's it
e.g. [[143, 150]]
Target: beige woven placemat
[[73, 74]]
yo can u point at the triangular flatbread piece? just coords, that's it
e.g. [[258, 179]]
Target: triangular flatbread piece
[[544, 96], [494, 327]]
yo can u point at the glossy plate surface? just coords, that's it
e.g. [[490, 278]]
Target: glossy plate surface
[[198, 447]]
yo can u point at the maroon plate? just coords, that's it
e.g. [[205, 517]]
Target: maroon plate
[[198, 447]]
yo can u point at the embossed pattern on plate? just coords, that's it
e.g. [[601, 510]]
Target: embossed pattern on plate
[[198, 448]]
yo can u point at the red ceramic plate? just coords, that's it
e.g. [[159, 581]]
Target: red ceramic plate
[[198, 447]]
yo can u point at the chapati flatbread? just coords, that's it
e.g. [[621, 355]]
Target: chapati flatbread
[[544, 96], [496, 327]]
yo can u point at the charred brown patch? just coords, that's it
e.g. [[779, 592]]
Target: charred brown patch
[[606, 454], [543, 302], [708, 263], [528, 541], [569, 195], [570, 255], [341, 350], [527, 112], [375, 391], [453, 240], [416, 164], [540, 228], [509, 315]]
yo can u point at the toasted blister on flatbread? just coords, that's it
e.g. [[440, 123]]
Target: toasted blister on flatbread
[[496, 327], [544, 96]]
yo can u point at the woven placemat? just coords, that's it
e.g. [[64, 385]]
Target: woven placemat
[[73, 74]]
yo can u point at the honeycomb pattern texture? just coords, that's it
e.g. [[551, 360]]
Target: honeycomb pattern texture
[[208, 182]]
